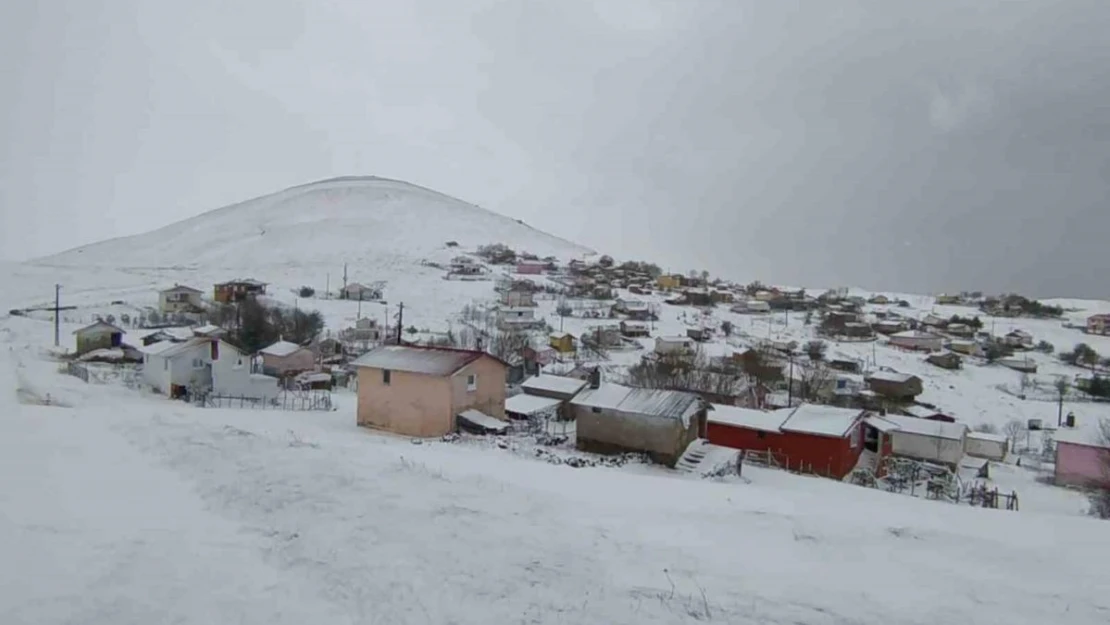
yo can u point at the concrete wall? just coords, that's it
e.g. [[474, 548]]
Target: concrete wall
[[982, 448], [1082, 465], [488, 397], [931, 448], [411, 404], [612, 431]]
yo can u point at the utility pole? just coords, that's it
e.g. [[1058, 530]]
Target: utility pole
[[400, 320], [790, 384], [57, 314], [327, 285], [358, 315]]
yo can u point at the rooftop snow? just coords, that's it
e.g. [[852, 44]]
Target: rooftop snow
[[554, 384], [641, 401], [1089, 436], [180, 288], [281, 349], [422, 360], [483, 420], [98, 327], [987, 436], [925, 427], [207, 329], [890, 376], [821, 420], [914, 334], [530, 404], [921, 412], [748, 418], [881, 424], [160, 347]]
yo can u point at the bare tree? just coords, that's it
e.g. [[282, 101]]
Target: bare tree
[[1012, 428], [816, 350], [1062, 388], [811, 383]]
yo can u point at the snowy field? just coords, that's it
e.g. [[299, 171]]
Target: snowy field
[[120, 507]]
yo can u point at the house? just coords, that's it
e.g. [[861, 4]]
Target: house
[[967, 348], [960, 329], [809, 438], [670, 281], [947, 360], [674, 345], [517, 317], [329, 350], [894, 385], [879, 299], [932, 441], [634, 329], [563, 342], [698, 296], [360, 292], [158, 336], [366, 329], [556, 388], [209, 331], [1018, 338], [987, 446], [530, 267], [752, 306], [203, 365], [284, 358], [700, 335], [889, 326], [612, 418], [917, 340], [465, 266], [949, 300], [1082, 457], [1098, 324], [518, 297], [421, 391], [922, 411], [845, 364], [238, 290], [933, 322], [179, 299], [1024, 365], [721, 296], [99, 335], [635, 309]]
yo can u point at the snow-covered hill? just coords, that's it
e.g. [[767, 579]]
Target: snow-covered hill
[[382, 230]]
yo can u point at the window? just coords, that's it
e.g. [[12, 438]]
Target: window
[[165, 365], [198, 363], [471, 383], [385, 376], [595, 410]]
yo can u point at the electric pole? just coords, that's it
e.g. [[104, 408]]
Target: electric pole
[[327, 285], [790, 384], [344, 280], [57, 314], [358, 315], [400, 320]]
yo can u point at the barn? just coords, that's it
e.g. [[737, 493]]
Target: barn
[[823, 440]]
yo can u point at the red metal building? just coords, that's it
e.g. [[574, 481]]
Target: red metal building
[[823, 440]]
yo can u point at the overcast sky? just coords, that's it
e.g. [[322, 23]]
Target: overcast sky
[[890, 144]]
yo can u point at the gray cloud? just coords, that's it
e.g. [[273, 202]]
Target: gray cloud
[[890, 144]]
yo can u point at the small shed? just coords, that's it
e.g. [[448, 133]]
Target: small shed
[[562, 342], [525, 406], [895, 385], [988, 446], [946, 360], [99, 335], [674, 345], [635, 329], [932, 441], [553, 386], [612, 418], [284, 358]]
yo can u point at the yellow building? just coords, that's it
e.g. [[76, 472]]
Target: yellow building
[[562, 342], [669, 281]]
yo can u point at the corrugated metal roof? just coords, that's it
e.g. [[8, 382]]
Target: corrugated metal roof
[[422, 360], [530, 404], [643, 401], [822, 420], [748, 418], [925, 427]]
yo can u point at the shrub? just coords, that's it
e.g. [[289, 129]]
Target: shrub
[[306, 291]]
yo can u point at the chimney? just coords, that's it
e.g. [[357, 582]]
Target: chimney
[[595, 378]]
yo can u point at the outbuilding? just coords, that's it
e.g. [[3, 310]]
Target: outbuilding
[[917, 340], [988, 446], [932, 441]]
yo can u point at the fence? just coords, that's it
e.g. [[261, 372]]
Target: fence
[[92, 373], [288, 401]]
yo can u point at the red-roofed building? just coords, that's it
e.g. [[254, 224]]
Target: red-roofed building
[[1098, 324]]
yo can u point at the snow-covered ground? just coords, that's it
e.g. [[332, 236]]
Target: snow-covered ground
[[118, 506]]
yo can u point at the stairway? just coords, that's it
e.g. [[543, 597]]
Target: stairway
[[691, 459]]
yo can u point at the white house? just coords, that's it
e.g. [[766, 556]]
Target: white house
[[201, 365], [356, 291], [673, 345], [923, 439], [517, 317], [1018, 338], [179, 299], [916, 339]]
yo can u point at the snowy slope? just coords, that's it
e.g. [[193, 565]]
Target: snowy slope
[[139, 510], [383, 230]]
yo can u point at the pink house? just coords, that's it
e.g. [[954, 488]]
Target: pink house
[[1082, 458], [530, 267], [1098, 324], [423, 391], [283, 358]]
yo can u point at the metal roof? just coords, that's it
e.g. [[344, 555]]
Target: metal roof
[[99, 326], [553, 384], [925, 427], [643, 401], [423, 360], [530, 404], [748, 418], [822, 420], [281, 349]]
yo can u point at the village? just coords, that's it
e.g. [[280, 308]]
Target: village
[[620, 359]]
